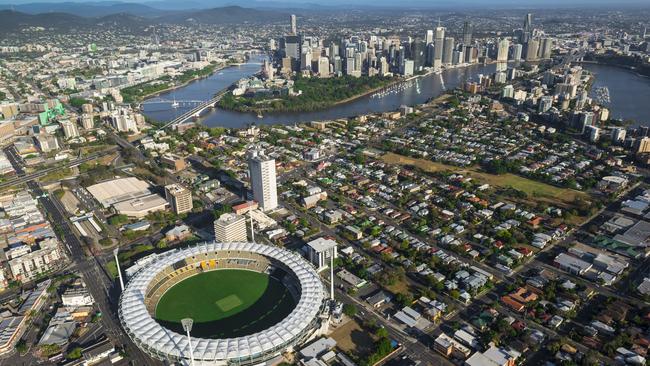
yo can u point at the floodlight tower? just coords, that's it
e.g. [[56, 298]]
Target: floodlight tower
[[119, 272], [187, 326], [332, 275], [250, 214]]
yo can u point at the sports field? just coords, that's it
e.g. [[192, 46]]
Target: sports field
[[225, 303]]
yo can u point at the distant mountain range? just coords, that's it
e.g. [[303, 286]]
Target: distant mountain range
[[151, 9], [137, 16], [225, 15], [89, 10]]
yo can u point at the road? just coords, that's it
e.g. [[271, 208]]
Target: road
[[22, 177], [415, 348], [88, 268]]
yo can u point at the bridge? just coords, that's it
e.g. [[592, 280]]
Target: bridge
[[196, 111], [181, 103]]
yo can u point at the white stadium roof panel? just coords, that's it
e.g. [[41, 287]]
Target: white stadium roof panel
[[144, 329]]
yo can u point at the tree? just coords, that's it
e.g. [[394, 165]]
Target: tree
[[404, 299], [21, 347], [381, 332], [349, 310], [105, 241], [48, 350], [74, 354], [162, 244]]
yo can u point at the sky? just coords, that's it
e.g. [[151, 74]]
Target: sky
[[383, 3]]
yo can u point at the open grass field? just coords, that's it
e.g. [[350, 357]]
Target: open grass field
[[225, 303], [534, 189]]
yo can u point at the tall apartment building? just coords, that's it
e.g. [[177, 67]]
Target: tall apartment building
[[642, 145], [69, 128], [263, 180], [230, 227], [179, 197]]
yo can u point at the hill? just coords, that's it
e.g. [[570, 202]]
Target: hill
[[15, 20], [87, 10], [225, 15]]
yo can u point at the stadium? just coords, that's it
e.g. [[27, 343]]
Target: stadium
[[249, 303]]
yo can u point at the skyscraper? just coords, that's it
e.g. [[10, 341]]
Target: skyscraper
[[546, 47], [429, 37], [323, 67], [439, 46], [517, 50], [467, 33], [262, 174], [292, 47], [502, 50], [418, 54], [532, 48], [305, 58], [448, 51], [527, 33], [294, 29], [502, 54]]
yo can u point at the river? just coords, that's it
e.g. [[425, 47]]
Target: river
[[629, 92], [411, 93]]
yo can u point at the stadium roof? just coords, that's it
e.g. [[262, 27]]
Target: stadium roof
[[117, 190], [149, 334]]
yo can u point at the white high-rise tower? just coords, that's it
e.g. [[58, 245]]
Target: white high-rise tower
[[294, 27], [263, 180]]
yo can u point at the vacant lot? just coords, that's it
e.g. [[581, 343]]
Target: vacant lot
[[352, 339], [535, 190]]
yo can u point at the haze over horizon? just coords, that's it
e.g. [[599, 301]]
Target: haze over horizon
[[514, 4]]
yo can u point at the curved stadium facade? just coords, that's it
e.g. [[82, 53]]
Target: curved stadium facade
[[145, 288]]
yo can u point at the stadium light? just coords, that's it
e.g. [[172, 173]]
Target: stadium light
[[252, 228], [187, 326], [332, 274], [119, 272]]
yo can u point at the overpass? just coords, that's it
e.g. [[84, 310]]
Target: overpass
[[196, 111], [22, 177]]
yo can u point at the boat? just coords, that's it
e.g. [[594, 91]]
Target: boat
[[175, 103], [601, 95], [259, 115]]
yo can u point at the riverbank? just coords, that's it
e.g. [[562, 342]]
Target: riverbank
[[632, 64], [631, 69], [185, 83]]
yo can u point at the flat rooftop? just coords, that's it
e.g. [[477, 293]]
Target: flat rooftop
[[118, 190]]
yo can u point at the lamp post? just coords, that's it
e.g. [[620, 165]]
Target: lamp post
[[187, 326]]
